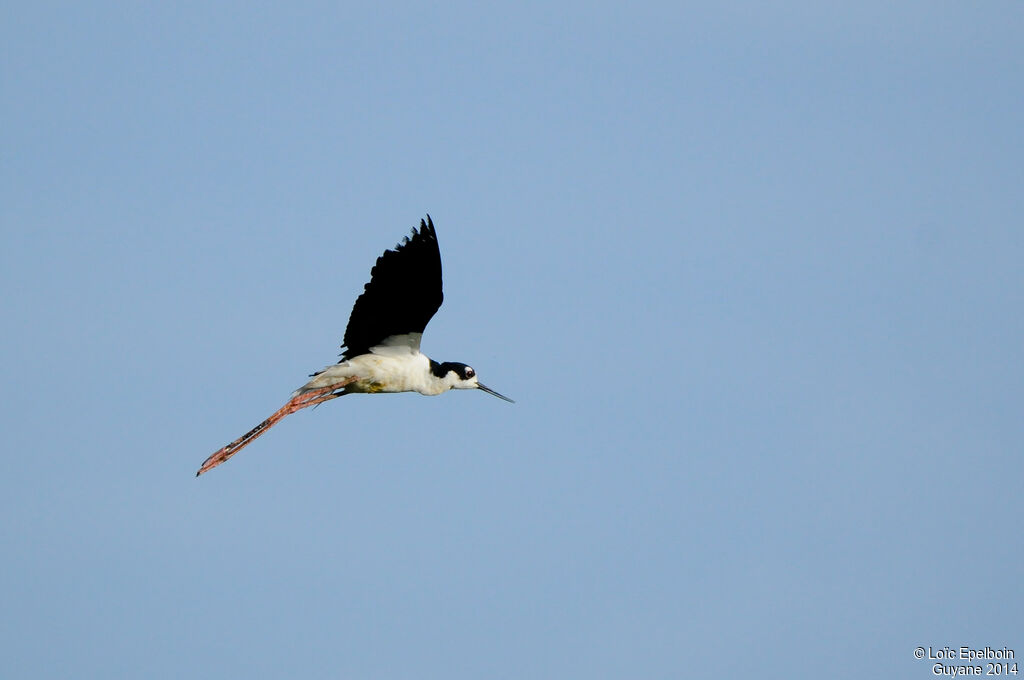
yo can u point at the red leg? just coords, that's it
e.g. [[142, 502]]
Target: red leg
[[296, 403]]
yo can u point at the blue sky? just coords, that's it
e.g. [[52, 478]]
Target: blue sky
[[752, 273]]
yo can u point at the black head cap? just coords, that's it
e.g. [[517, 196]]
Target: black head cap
[[462, 370]]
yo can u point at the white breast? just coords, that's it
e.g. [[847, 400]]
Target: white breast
[[385, 369]]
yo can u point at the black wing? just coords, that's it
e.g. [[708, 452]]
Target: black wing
[[403, 294]]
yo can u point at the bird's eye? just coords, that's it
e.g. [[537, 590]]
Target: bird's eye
[[470, 372]]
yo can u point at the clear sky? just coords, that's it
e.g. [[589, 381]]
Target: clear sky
[[752, 272]]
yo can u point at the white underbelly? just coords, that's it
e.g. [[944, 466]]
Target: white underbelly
[[376, 373]]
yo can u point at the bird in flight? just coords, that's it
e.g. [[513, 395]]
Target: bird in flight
[[382, 340]]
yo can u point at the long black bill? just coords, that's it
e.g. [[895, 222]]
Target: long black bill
[[488, 390]]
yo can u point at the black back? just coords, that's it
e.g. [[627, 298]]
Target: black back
[[403, 294]]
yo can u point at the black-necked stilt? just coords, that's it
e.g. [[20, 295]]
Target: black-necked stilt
[[382, 340]]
